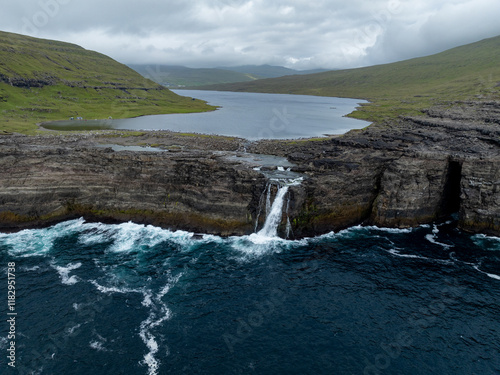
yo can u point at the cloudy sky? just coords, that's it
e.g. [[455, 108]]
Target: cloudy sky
[[300, 34]]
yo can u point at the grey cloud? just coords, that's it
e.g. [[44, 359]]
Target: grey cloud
[[297, 33]]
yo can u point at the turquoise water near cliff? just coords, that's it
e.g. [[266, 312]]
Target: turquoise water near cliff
[[247, 115], [94, 298]]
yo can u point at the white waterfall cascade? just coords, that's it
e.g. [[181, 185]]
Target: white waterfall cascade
[[274, 212]]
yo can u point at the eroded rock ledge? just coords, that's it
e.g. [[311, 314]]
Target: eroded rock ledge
[[413, 171]]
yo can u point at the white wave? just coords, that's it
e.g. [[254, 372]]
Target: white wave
[[487, 242], [493, 238], [39, 242], [492, 275], [94, 233], [257, 245], [129, 236], [64, 273], [359, 228]]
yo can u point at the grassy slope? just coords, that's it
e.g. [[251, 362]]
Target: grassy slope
[[269, 71], [405, 87], [174, 76], [44, 80], [180, 76]]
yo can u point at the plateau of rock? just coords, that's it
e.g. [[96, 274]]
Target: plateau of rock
[[402, 173]]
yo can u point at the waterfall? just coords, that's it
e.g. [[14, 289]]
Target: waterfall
[[274, 208], [274, 215]]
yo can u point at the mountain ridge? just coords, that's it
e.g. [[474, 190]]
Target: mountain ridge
[[404, 87], [177, 76], [44, 80]]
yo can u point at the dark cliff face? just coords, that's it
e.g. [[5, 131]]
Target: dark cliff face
[[408, 173], [191, 191], [403, 174]]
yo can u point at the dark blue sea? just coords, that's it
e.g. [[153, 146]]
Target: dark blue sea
[[94, 298]]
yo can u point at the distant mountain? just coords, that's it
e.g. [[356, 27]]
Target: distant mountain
[[270, 71], [174, 76], [405, 87], [180, 76], [43, 80]]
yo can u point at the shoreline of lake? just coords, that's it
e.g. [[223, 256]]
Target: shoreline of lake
[[251, 116]]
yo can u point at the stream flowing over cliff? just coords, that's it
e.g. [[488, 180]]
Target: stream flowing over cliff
[[402, 174]]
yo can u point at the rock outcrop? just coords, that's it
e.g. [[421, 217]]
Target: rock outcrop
[[413, 171]]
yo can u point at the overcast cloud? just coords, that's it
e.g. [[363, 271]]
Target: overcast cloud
[[300, 34]]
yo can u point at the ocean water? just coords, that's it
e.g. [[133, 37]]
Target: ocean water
[[93, 298]]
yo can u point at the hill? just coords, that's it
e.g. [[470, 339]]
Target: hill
[[406, 87], [181, 76], [43, 80], [270, 71]]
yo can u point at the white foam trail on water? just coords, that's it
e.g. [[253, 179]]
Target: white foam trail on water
[[30, 269], [487, 242], [159, 313], [64, 273], [492, 275], [396, 252], [432, 239], [114, 289], [127, 237], [130, 236]]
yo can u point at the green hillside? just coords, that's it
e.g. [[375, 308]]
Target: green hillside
[[181, 76], [269, 71], [44, 80], [406, 87]]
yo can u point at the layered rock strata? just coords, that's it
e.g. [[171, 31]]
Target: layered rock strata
[[412, 171]]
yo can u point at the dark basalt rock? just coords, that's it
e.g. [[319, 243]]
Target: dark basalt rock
[[412, 171]]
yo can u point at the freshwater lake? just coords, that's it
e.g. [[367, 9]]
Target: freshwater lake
[[247, 115]]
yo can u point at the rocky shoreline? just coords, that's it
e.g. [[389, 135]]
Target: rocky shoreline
[[405, 173]]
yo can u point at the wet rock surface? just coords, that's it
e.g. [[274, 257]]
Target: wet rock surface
[[408, 172]]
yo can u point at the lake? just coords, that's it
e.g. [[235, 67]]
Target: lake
[[247, 115]]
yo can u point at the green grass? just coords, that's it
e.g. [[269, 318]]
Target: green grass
[[401, 88], [45, 80]]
